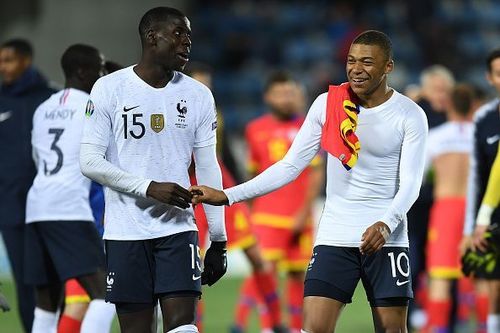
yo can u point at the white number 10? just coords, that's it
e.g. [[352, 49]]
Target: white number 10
[[397, 263]]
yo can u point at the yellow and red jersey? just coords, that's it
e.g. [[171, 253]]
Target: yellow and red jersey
[[268, 141]]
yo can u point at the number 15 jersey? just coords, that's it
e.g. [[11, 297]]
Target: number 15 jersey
[[59, 192], [149, 133]]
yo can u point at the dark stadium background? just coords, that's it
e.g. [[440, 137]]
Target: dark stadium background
[[243, 41]]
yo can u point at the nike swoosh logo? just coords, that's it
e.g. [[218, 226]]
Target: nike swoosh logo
[[400, 283], [492, 139], [5, 115], [196, 277], [125, 109]]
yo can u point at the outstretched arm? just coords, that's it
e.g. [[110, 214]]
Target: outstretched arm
[[303, 149]]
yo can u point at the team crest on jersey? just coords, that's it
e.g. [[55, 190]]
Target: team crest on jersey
[[89, 109], [182, 109], [157, 122], [181, 117]]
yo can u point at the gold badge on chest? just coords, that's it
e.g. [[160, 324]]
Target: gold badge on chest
[[157, 122]]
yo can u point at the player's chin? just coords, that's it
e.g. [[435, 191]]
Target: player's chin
[[360, 89], [180, 65]]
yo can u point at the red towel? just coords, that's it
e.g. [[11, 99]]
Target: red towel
[[338, 137]]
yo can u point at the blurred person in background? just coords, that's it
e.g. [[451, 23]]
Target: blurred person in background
[[436, 85], [203, 73], [22, 89], [413, 92], [62, 241], [76, 299], [485, 148], [282, 220], [239, 231], [112, 66], [448, 151]]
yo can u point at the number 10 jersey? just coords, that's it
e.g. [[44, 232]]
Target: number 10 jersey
[[59, 192]]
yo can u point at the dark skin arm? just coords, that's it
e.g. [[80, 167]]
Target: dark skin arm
[[208, 195], [170, 193], [374, 238]]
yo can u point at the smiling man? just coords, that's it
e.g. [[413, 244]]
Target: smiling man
[[362, 232], [144, 123]]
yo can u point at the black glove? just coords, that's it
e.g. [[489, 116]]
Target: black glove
[[215, 263], [483, 263]]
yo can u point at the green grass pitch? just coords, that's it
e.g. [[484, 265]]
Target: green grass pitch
[[220, 301]]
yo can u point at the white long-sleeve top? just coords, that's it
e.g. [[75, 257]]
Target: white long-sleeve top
[[382, 186], [134, 134]]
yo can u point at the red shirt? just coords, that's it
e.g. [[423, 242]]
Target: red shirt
[[268, 141]]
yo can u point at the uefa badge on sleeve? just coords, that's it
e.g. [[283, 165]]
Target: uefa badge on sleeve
[[89, 109], [157, 122]]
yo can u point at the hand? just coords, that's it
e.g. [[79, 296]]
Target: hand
[[478, 240], [169, 193], [374, 238], [214, 264], [465, 244], [208, 195]]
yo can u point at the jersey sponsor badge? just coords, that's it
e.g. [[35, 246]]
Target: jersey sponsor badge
[[89, 109], [157, 122]]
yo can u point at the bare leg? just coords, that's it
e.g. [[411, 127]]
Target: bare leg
[[439, 289], [390, 319], [48, 297], [494, 291], [178, 311], [94, 284], [255, 257], [142, 321], [321, 314]]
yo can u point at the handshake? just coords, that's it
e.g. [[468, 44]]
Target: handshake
[[215, 262], [176, 195]]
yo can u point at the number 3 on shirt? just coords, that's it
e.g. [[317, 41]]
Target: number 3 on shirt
[[60, 157], [136, 123]]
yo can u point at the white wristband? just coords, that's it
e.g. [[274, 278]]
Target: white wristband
[[484, 215]]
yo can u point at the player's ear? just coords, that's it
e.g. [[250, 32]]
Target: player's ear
[[389, 67], [151, 37], [80, 73]]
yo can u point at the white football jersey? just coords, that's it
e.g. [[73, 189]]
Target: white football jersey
[[59, 191], [150, 133], [383, 184], [451, 137]]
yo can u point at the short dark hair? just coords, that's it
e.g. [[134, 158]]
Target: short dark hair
[[375, 37], [278, 77], [491, 57], [155, 15], [112, 66], [21, 46], [78, 56], [462, 98]]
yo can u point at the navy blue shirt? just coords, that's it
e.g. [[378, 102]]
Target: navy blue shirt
[[486, 136], [18, 102]]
